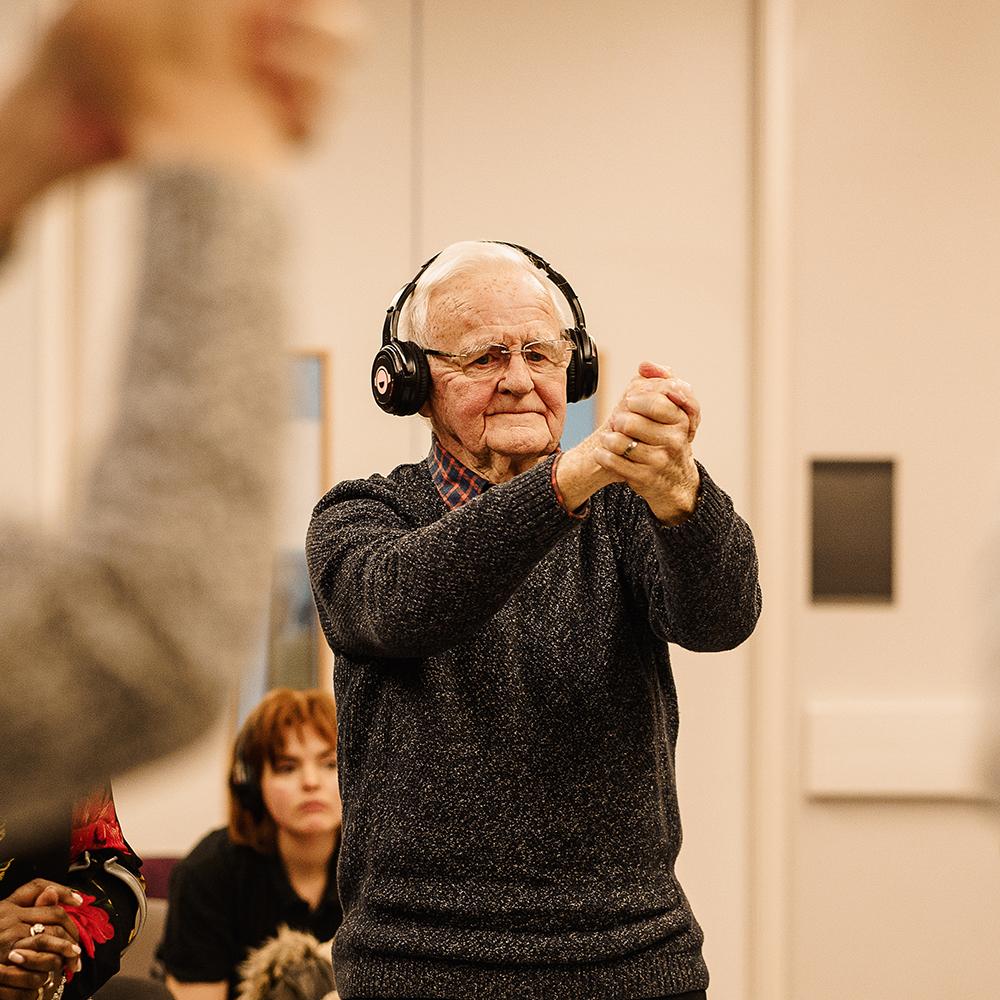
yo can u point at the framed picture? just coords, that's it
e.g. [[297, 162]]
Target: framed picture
[[293, 652], [581, 419]]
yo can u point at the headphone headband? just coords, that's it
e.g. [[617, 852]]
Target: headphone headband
[[579, 320]]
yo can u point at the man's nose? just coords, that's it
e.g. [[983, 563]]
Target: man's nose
[[517, 376]]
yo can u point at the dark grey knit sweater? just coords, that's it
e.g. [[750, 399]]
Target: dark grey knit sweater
[[508, 724]]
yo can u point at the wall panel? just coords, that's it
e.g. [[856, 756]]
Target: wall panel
[[20, 333], [897, 212]]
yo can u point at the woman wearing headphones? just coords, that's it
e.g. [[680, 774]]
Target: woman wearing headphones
[[276, 862]]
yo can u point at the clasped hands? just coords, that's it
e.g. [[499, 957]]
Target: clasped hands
[[32, 965], [645, 443]]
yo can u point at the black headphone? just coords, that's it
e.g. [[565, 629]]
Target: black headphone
[[244, 782], [401, 377]]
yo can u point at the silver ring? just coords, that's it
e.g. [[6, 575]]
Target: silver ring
[[632, 445], [35, 929]]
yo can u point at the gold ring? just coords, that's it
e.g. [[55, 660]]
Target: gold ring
[[632, 445]]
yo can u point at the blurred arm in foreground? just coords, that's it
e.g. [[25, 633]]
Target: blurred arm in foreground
[[120, 640]]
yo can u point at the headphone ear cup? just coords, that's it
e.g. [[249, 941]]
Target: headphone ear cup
[[401, 378], [245, 785], [582, 374]]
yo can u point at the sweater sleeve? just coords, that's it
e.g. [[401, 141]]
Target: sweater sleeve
[[386, 586], [119, 641], [699, 578]]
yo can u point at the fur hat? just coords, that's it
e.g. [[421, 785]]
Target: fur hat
[[292, 965]]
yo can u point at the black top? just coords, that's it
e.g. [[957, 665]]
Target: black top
[[226, 899]]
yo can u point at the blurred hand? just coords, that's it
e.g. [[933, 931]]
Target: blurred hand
[[302, 49], [230, 79], [646, 442], [226, 83]]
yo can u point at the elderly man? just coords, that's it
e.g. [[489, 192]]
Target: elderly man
[[500, 614]]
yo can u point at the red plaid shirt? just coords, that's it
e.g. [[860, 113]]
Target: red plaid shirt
[[456, 483]]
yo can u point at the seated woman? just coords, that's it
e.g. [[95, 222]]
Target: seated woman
[[275, 864], [68, 912]]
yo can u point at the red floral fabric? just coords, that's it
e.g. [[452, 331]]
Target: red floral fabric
[[95, 825], [92, 922]]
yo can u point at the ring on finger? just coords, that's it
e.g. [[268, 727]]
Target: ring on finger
[[627, 453], [35, 929]]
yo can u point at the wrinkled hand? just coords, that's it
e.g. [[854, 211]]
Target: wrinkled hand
[[660, 413], [32, 962]]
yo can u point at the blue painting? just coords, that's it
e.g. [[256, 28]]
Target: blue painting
[[580, 423]]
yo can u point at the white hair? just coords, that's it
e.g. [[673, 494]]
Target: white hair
[[467, 257]]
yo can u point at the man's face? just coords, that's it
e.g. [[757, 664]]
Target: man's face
[[505, 422]]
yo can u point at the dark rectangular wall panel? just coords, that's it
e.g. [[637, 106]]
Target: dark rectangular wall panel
[[852, 503]]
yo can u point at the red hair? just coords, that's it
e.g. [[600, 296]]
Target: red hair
[[262, 739]]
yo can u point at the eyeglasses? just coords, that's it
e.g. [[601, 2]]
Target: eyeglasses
[[542, 356]]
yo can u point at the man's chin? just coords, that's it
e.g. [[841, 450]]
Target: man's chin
[[523, 445]]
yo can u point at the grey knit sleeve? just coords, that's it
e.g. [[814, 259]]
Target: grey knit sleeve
[[119, 642], [387, 587], [698, 580]]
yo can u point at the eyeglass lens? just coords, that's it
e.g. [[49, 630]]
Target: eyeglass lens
[[540, 356]]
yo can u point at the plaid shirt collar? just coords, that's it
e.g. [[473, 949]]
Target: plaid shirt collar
[[455, 483]]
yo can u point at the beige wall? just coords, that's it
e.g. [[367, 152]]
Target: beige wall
[[33, 324], [796, 203], [896, 232]]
